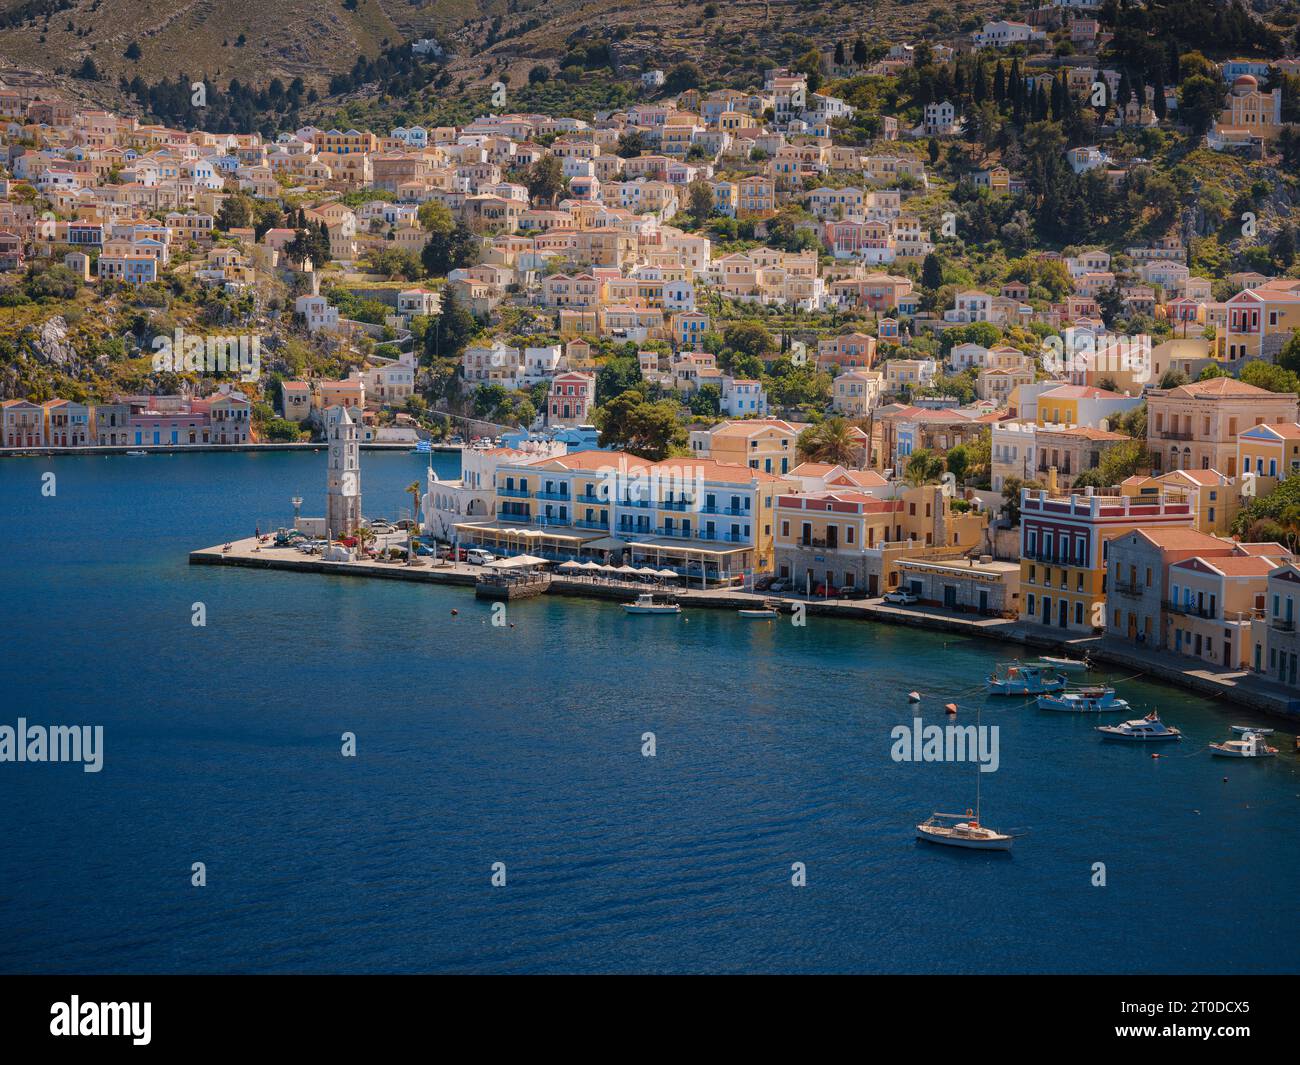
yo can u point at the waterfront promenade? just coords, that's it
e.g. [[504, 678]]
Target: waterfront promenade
[[182, 449], [1237, 687]]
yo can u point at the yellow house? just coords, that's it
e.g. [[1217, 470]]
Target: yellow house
[[1070, 405], [1269, 453], [1215, 499], [764, 444]]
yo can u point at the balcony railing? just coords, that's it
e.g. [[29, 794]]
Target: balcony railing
[[1050, 560], [1282, 624], [1128, 588], [1172, 434], [1192, 610], [602, 525], [563, 497], [514, 493]]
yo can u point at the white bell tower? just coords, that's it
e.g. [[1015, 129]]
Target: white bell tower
[[343, 495]]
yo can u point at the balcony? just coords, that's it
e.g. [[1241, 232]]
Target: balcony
[[563, 497], [1049, 560], [588, 497], [1282, 624], [603, 526], [1191, 610], [1169, 434], [1125, 588], [734, 511], [514, 493]]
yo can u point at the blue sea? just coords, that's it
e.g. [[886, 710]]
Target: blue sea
[[522, 745]]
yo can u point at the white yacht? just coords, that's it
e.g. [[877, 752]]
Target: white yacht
[[1250, 745], [646, 604], [1083, 701], [1141, 730]]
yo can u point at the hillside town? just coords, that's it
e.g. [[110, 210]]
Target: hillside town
[[1007, 325]]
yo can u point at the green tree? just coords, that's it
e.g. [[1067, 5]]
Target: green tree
[[630, 422], [1199, 100], [545, 179], [1271, 377]]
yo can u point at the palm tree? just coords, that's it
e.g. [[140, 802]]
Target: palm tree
[[923, 467], [833, 442], [414, 489]]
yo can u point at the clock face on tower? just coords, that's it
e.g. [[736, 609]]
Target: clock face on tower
[[348, 484]]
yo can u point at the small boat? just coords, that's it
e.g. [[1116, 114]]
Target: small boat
[[913, 697], [1141, 730], [1072, 665], [135, 453], [966, 832], [1024, 680], [769, 609], [1251, 745], [1083, 701], [646, 604]]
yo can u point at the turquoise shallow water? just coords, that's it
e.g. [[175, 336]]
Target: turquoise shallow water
[[523, 745]]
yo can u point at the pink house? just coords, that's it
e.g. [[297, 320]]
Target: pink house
[[572, 395]]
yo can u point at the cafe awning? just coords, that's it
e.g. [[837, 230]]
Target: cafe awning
[[517, 562]]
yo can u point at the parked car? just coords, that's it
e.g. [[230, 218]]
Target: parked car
[[762, 584], [445, 551], [900, 598], [778, 585], [478, 557]]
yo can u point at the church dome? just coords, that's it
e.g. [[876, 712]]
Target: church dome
[[1244, 84]]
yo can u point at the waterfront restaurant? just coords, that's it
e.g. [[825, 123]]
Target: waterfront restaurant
[[705, 520]]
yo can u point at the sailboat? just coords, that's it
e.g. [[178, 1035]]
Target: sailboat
[[964, 830]]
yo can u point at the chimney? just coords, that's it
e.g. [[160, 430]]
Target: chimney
[[1051, 481]]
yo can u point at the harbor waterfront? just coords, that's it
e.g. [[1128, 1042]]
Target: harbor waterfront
[[522, 744]]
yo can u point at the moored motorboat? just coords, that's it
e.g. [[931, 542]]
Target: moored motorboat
[[965, 832], [769, 609], [1072, 665], [1083, 701], [647, 604], [1024, 680], [1141, 730], [1251, 745]]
